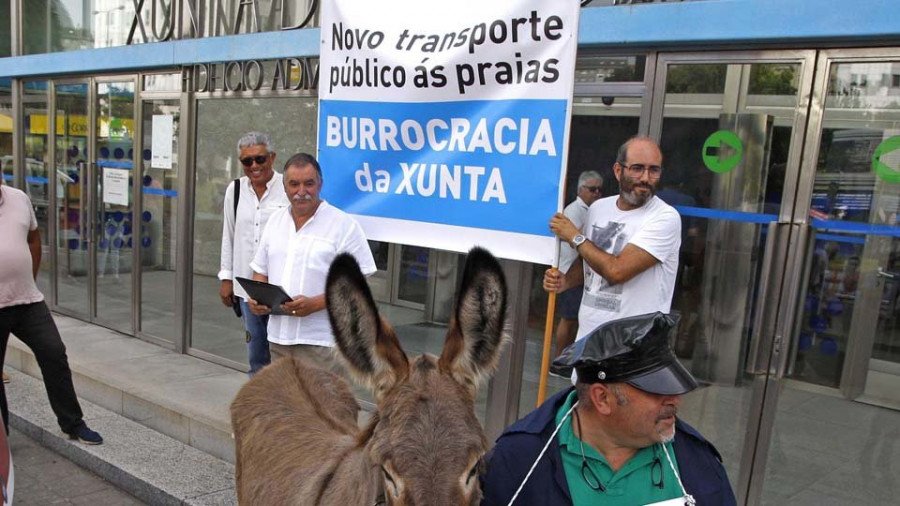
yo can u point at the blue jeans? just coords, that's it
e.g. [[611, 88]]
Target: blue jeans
[[258, 347]]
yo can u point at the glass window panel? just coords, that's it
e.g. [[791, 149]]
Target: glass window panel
[[290, 123], [5, 30], [6, 131], [67, 25], [162, 82], [773, 79], [705, 78], [117, 228], [37, 175], [158, 229], [72, 158], [610, 69]]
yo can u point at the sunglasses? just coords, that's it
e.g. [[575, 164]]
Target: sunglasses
[[593, 189], [259, 159]]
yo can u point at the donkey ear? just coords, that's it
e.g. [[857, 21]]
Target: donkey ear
[[475, 337], [366, 342]]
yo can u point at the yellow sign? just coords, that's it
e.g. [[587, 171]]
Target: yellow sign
[[77, 124]]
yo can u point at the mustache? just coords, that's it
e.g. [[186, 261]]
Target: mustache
[[301, 197], [667, 413]]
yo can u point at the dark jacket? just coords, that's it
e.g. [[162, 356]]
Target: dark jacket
[[517, 448]]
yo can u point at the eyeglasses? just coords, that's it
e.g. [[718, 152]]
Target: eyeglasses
[[593, 189], [638, 169], [590, 477], [259, 159]]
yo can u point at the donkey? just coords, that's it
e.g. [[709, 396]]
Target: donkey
[[296, 435]]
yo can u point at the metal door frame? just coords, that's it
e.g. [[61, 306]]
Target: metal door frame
[[779, 276]]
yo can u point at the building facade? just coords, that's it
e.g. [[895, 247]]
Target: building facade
[[780, 125]]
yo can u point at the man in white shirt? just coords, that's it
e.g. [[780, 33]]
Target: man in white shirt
[[295, 252], [24, 313], [629, 245], [259, 195], [590, 184]]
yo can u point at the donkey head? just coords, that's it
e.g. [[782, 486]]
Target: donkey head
[[425, 436]]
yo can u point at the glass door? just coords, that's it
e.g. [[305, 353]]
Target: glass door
[[116, 226], [730, 128], [835, 432], [158, 238], [70, 114]]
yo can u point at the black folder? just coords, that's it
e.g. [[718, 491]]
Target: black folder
[[265, 293]]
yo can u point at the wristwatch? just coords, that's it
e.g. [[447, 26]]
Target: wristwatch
[[577, 241]]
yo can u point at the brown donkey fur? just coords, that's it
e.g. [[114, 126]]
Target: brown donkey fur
[[296, 437]]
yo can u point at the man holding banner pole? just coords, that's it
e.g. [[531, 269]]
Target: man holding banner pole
[[629, 244]]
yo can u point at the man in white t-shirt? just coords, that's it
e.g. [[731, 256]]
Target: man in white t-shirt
[[295, 253], [590, 184], [24, 313], [629, 244]]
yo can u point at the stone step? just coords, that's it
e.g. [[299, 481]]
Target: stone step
[[152, 466], [181, 396]]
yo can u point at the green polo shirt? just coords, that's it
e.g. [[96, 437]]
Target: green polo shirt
[[631, 485]]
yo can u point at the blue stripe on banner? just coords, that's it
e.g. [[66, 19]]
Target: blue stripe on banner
[[506, 181], [8, 177], [857, 228], [159, 191], [35, 179], [719, 214], [840, 238], [114, 165]]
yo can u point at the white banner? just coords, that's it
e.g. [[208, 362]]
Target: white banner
[[447, 126]]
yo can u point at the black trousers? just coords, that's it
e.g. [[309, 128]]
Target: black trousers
[[34, 326]]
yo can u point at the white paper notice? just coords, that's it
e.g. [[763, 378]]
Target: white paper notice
[[115, 186], [161, 143]]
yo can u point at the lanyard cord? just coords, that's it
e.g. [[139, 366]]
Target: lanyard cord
[[688, 498], [543, 451]]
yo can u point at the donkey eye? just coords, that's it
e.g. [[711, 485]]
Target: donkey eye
[[473, 472], [387, 476]]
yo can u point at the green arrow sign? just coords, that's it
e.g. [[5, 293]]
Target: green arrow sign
[[722, 151], [887, 173]]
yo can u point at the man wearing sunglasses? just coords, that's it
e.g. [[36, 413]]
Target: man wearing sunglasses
[[590, 185], [629, 244], [615, 438], [249, 202]]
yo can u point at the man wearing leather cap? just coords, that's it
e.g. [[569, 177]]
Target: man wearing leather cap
[[613, 439]]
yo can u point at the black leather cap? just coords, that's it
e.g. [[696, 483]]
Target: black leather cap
[[633, 350]]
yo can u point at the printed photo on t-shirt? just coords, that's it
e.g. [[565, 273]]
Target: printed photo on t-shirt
[[598, 293]]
